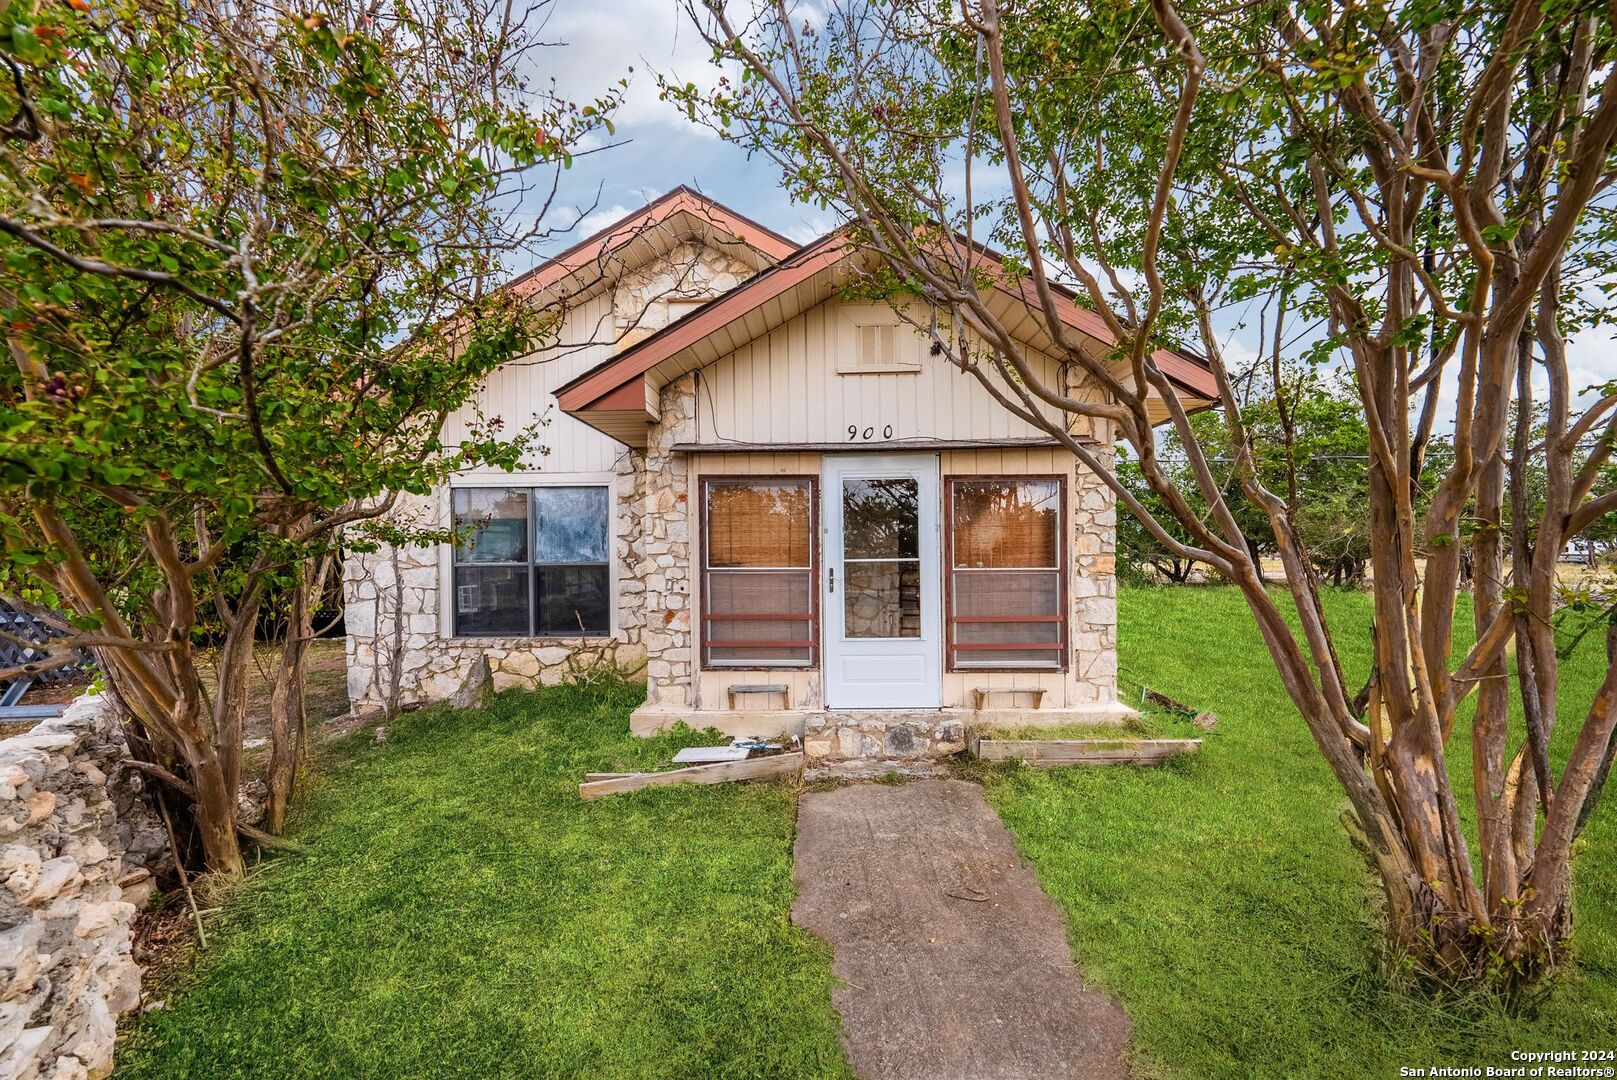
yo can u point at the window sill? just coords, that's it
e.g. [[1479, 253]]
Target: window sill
[[538, 639]]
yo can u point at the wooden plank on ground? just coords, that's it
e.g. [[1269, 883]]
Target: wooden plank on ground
[[706, 755], [1046, 753], [723, 772]]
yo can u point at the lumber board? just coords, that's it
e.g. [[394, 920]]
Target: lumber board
[[723, 772], [707, 755], [1047, 753]]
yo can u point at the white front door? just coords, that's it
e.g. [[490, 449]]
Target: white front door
[[883, 580]]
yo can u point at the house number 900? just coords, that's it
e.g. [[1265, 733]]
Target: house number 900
[[855, 434]]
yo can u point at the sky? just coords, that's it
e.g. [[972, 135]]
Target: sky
[[658, 148]]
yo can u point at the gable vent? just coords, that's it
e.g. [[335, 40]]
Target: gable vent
[[878, 346]]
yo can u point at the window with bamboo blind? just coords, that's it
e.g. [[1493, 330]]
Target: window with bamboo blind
[[758, 593], [1007, 605]]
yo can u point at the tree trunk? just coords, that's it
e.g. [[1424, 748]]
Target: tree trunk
[[179, 743], [287, 698], [215, 812]]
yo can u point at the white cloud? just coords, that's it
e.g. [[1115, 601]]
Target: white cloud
[[1591, 359], [599, 43], [810, 229], [590, 224]]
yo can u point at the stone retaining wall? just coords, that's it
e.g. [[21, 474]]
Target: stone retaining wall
[[69, 894]]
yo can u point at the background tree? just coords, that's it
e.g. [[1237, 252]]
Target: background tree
[[245, 276], [1425, 187], [1139, 553], [1309, 440]]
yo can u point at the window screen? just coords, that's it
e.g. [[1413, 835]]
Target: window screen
[[1005, 574], [758, 606]]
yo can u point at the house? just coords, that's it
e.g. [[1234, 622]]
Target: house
[[768, 498]]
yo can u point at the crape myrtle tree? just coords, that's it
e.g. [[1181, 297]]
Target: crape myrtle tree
[[1308, 439], [1424, 184], [245, 266]]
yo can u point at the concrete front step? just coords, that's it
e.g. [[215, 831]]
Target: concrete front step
[[867, 734]]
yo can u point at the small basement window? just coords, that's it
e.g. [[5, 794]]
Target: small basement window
[[1006, 595], [758, 575], [532, 562]]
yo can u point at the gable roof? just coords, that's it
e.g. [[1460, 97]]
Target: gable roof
[[619, 396], [681, 214]]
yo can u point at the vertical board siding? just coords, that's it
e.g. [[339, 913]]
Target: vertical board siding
[[524, 389], [784, 388]]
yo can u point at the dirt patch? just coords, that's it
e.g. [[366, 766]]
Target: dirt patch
[[165, 936], [325, 692], [61, 693], [953, 962]]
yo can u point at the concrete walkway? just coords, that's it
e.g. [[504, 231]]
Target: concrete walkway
[[953, 963]]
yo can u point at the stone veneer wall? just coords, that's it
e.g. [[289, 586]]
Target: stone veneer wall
[[1094, 550], [70, 894], [396, 653], [1094, 582], [666, 561]]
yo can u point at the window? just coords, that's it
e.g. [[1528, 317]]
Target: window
[[532, 562], [881, 558], [758, 574], [1006, 594]]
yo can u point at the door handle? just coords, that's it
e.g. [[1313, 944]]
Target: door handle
[[833, 580]]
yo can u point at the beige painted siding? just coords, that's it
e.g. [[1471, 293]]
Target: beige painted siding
[[785, 388], [523, 389]]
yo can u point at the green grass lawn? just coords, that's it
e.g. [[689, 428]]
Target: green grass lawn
[[460, 912], [1219, 896]]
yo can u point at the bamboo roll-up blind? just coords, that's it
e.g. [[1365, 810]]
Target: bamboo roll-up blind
[[754, 524], [1006, 524]]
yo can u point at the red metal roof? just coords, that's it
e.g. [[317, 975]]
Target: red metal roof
[[680, 200], [588, 390]]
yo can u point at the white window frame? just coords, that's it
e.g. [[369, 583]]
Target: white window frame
[[614, 527]]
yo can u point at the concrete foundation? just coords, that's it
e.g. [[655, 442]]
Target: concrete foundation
[[867, 734]]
